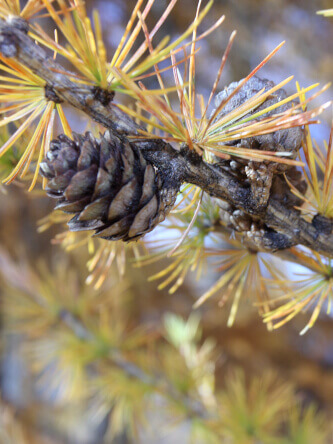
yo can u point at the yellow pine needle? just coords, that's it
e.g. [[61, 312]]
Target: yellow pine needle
[[241, 84], [179, 209], [322, 199], [298, 194], [18, 70], [180, 280], [27, 108], [12, 7], [217, 80], [267, 126], [64, 123], [68, 53], [157, 92], [256, 155], [237, 297], [139, 116], [167, 50], [150, 61], [289, 311], [228, 258], [203, 135], [251, 104], [328, 177], [26, 158], [311, 162], [184, 107], [315, 290], [26, 102], [103, 255], [21, 82], [126, 33], [189, 254], [166, 270], [86, 49], [151, 50], [164, 52], [10, 142], [241, 274], [262, 292], [237, 113], [153, 73], [181, 265], [226, 277], [275, 105], [188, 229], [316, 311], [129, 44], [191, 86], [154, 105], [47, 137], [107, 255], [149, 258], [30, 8], [326, 12], [92, 263], [100, 265]]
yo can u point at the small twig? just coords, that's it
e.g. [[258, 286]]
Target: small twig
[[286, 254], [183, 166], [23, 280], [193, 407]]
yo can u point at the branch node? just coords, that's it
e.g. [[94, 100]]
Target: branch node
[[51, 95], [18, 23], [8, 46], [323, 224], [103, 95]]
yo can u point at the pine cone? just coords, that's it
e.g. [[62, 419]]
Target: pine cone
[[108, 184], [283, 140]]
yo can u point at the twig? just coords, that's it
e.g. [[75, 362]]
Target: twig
[[193, 407], [288, 225]]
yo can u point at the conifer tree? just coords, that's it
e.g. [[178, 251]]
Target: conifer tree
[[165, 178]]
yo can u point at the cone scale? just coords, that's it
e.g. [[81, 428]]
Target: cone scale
[[107, 184]]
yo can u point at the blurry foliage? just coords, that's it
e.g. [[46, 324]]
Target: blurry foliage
[[326, 12], [318, 174], [314, 291], [80, 349]]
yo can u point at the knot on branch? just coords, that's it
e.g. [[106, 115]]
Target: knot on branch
[[323, 224], [51, 95], [8, 46], [18, 23], [103, 95]]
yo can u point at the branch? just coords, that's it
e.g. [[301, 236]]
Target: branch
[[286, 227], [22, 279], [193, 407]]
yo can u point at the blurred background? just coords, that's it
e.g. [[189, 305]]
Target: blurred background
[[46, 416]]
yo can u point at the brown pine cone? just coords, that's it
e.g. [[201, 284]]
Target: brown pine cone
[[108, 184], [284, 140]]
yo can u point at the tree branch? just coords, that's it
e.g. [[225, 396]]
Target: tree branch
[[193, 407], [286, 227], [22, 279]]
